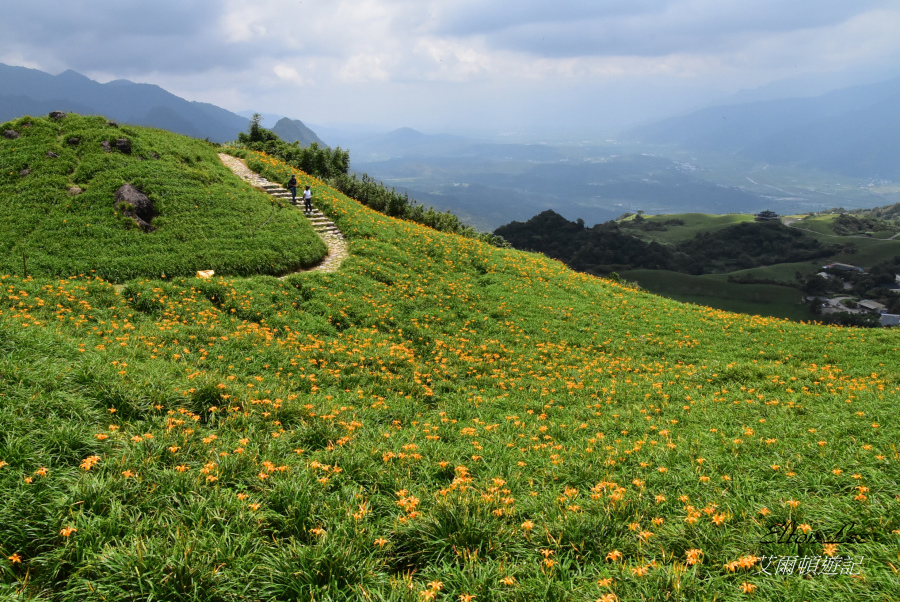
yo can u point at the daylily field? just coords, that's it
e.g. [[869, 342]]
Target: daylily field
[[438, 420]]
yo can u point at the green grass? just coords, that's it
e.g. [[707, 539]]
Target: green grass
[[785, 272], [868, 252], [208, 218], [438, 419], [716, 291], [694, 223], [824, 224], [818, 223]]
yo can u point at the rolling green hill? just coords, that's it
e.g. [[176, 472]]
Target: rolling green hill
[[438, 420], [728, 261], [57, 192]]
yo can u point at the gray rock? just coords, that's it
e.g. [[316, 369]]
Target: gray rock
[[124, 145], [135, 204], [106, 145], [51, 155], [112, 124], [75, 191], [24, 172], [11, 134], [73, 141], [57, 115]]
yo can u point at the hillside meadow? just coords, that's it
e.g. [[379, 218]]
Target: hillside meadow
[[438, 420], [715, 289], [206, 217]]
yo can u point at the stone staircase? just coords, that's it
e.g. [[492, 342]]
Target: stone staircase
[[320, 223], [325, 228]]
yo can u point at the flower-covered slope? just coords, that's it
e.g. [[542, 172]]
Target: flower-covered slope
[[439, 419]]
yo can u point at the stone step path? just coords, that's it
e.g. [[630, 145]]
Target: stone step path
[[325, 228]]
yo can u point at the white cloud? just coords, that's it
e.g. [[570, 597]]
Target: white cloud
[[242, 25], [288, 74], [363, 68]]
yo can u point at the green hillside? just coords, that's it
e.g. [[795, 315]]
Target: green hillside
[[715, 290], [207, 218], [682, 227], [438, 420]]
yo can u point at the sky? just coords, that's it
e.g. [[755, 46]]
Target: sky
[[463, 66]]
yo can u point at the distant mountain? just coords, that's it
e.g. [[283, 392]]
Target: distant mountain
[[293, 130], [859, 143], [32, 92], [407, 142], [851, 131]]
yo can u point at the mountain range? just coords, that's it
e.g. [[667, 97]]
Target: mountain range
[[851, 131], [33, 92]]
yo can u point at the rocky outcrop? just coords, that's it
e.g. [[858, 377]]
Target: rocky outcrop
[[135, 204], [11, 134], [123, 145], [73, 141], [51, 155], [57, 115], [75, 191]]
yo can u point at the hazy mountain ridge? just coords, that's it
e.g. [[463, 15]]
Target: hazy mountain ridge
[[30, 91], [832, 132], [294, 130]]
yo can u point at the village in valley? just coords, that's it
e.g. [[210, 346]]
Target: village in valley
[[846, 301], [864, 296]]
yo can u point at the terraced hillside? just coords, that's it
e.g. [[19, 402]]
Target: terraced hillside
[[437, 420]]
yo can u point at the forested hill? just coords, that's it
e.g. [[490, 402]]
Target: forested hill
[[616, 245]]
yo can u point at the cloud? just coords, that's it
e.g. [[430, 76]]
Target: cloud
[[288, 74], [363, 68], [570, 28], [404, 40], [124, 37], [463, 57]]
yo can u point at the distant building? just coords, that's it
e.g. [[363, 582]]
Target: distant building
[[846, 267], [895, 288], [872, 306], [765, 216], [889, 320]]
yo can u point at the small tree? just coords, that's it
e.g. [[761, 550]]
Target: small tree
[[255, 133]]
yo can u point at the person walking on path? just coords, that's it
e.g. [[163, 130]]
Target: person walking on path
[[292, 186], [307, 200]]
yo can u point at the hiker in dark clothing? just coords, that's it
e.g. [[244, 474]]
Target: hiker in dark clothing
[[292, 186]]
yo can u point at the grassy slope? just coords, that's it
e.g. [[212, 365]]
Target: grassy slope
[[208, 218], [869, 250], [436, 411], [761, 299], [824, 224], [694, 223], [716, 291]]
